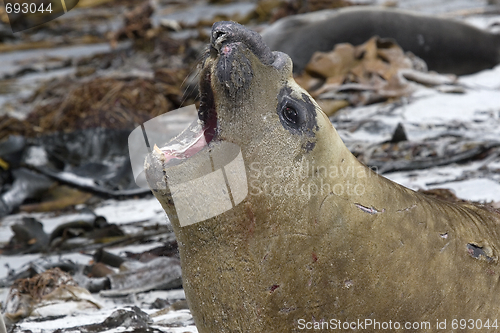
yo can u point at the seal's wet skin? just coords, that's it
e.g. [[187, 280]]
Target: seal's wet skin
[[319, 236]]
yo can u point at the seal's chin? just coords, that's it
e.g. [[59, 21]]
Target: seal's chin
[[198, 134]]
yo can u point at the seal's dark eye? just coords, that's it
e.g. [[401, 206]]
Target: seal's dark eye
[[297, 114], [290, 115]]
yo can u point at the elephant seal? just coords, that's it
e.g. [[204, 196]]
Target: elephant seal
[[446, 45], [318, 238]]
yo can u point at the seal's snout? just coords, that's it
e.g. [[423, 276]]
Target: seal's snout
[[236, 52], [225, 33]]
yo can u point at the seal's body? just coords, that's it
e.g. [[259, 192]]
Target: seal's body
[[446, 45], [320, 238]]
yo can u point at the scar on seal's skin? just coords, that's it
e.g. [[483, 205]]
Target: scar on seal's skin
[[444, 236], [287, 310], [370, 210], [273, 288], [406, 209], [478, 252]]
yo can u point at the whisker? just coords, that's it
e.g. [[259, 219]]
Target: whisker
[[191, 89]]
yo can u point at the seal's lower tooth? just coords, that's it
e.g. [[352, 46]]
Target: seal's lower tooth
[[157, 150]]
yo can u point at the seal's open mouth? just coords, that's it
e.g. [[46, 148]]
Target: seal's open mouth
[[199, 133]]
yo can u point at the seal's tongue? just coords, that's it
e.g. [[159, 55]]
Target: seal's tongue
[[186, 144]]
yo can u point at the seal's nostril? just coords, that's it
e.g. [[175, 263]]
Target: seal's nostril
[[218, 34], [231, 32], [218, 37]]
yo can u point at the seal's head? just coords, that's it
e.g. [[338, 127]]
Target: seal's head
[[248, 94], [250, 100]]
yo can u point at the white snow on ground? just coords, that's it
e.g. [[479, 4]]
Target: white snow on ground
[[428, 112], [476, 189], [484, 79], [119, 212], [475, 115], [468, 189], [84, 318], [439, 107], [16, 262], [132, 210], [483, 22], [479, 111]]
